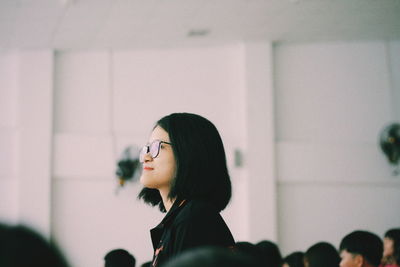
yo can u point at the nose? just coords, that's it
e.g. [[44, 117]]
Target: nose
[[147, 157]]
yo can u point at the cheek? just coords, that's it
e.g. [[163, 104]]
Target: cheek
[[146, 179], [388, 251], [345, 263], [165, 174], [161, 176], [168, 170], [387, 248]]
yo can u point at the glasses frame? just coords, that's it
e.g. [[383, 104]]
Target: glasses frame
[[146, 149]]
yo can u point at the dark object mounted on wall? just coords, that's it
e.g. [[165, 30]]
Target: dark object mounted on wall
[[390, 143], [127, 166]]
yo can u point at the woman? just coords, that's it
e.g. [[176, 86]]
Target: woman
[[185, 175], [391, 249]]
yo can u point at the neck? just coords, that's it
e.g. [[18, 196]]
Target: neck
[[389, 259], [166, 201]]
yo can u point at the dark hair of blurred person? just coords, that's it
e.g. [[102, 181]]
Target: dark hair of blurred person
[[361, 248], [119, 258], [21, 246], [294, 259], [211, 256], [321, 254], [146, 264], [391, 248], [251, 250], [270, 253]]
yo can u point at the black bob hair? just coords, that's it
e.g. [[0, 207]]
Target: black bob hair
[[367, 244], [201, 172]]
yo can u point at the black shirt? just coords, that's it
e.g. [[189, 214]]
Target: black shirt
[[187, 225]]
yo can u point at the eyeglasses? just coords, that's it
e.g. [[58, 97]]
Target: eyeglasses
[[153, 149]]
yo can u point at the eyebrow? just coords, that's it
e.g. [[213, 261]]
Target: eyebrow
[[155, 140]]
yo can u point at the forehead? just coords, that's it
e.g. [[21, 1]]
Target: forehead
[[159, 134], [344, 254], [388, 240]]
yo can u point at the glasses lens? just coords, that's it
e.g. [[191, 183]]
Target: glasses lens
[[154, 148], [143, 152]]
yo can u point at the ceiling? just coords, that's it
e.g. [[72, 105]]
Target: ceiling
[[121, 24]]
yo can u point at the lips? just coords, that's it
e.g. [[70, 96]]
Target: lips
[[148, 168]]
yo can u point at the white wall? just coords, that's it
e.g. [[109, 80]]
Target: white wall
[[260, 163], [8, 142], [26, 86], [67, 117], [34, 135], [106, 100], [332, 100]]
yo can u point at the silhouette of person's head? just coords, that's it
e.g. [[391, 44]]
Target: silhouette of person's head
[[21, 246], [294, 259], [119, 258], [321, 254], [361, 247], [271, 255]]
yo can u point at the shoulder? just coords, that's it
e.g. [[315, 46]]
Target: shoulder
[[199, 223], [198, 210], [199, 207]]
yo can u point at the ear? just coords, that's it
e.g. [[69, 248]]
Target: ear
[[305, 262], [359, 260]]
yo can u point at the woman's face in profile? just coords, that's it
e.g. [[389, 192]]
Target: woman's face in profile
[[387, 246], [158, 172]]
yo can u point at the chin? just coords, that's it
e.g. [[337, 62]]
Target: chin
[[144, 181]]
